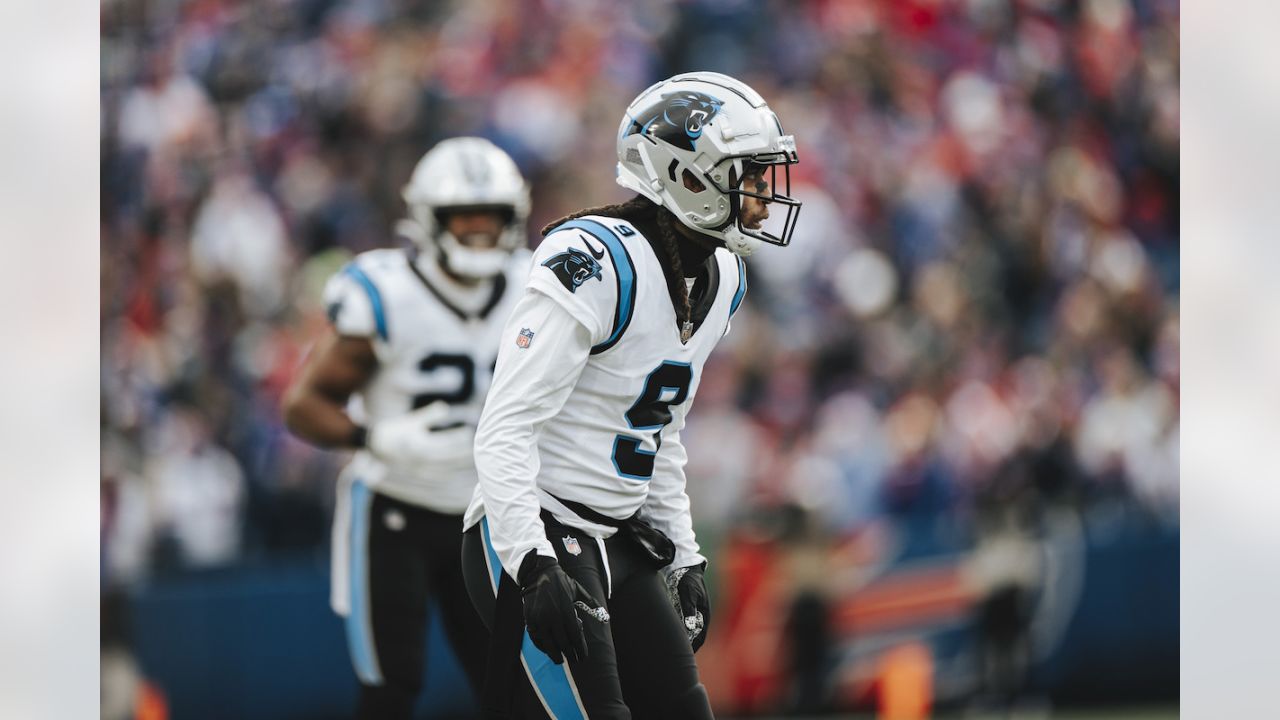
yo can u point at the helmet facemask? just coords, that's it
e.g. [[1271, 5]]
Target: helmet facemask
[[735, 173], [467, 258]]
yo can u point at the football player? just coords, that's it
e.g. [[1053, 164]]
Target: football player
[[414, 340], [580, 551]]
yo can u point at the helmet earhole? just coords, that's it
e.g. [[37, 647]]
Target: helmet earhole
[[691, 182]]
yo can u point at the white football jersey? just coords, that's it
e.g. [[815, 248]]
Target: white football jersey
[[613, 444], [434, 340]]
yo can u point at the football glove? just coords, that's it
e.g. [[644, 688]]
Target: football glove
[[688, 592], [551, 603], [410, 440]]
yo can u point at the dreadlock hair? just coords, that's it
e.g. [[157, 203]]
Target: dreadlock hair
[[654, 221]]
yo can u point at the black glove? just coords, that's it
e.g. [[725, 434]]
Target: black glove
[[688, 592], [551, 600]]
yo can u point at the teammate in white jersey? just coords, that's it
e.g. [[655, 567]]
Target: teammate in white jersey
[[415, 340], [581, 503]]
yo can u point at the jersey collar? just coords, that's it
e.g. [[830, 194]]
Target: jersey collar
[[499, 287]]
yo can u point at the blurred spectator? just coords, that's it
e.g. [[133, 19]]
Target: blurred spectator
[[166, 110], [198, 490], [1005, 573], [237, 234]]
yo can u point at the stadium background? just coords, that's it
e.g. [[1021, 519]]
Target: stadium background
[[936, 461]]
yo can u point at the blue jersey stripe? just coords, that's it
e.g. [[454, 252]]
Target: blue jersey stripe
[[742, 287], [549, 679], [375, 298], [359, 627], [626, 275], [495, 565]]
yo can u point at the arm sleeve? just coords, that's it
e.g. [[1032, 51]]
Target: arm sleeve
[[667, 506], [530, 384]]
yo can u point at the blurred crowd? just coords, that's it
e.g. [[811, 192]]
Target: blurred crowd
[[979, 309]]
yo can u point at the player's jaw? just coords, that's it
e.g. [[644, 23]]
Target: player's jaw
[[754, 212]]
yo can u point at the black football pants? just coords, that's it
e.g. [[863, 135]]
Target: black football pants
[[402, 555], [639, 665]]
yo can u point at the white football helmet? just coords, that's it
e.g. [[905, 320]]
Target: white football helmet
[[713, 128], [465, 173]]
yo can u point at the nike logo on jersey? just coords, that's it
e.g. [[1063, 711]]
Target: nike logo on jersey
[[594, 254]]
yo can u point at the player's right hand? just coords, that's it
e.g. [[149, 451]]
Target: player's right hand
[[409, 440], [550, 615]]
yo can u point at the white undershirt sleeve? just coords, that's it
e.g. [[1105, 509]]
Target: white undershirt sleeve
[[530, 385], [667, 506]]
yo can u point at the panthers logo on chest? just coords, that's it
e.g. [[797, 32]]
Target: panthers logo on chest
[[678, 118], [574, 267]]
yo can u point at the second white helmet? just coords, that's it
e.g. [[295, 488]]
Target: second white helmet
[[717, 130], [466, 173]]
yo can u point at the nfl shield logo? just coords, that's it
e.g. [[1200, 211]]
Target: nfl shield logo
[[571, 544], [525, 337]]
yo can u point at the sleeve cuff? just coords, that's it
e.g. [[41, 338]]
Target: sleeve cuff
[[528, 560]]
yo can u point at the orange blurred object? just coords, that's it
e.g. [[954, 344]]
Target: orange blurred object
[[906, 683], [151, 703]]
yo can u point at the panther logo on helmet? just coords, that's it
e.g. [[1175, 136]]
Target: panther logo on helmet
[[679, 118], [574, 267]]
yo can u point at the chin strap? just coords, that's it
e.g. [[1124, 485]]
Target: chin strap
[[738, 243]]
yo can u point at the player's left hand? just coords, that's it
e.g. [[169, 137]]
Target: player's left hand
[[552, 600], [414, 439], [691, 601]]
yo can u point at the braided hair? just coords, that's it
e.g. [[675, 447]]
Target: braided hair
[[654, 221]]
